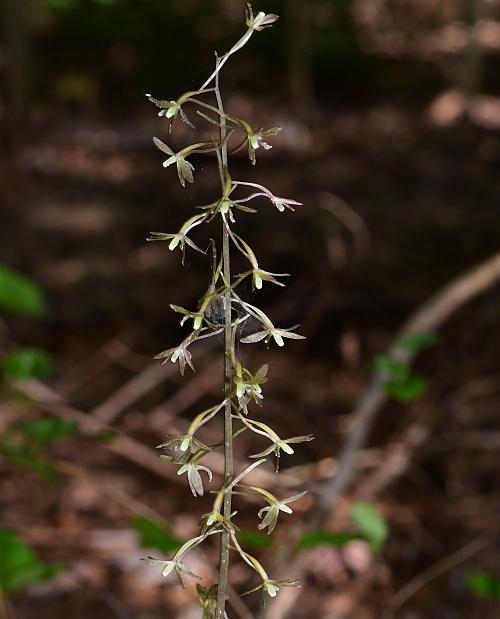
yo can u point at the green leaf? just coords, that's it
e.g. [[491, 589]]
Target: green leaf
[[484, 585], [153, 535], [253, 538], [418, 341], [24, 456], [27, 363], [407, 390], [371, 524], [103, 437], [18, 294], [48, 429], [394, 368], [325, 538], [19, 566]]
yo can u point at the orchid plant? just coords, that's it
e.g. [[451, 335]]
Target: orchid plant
[[242, 386]]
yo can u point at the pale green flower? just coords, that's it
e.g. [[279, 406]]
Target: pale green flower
[[276, 334], [170, 109], [278, 444], [261, 20], [248, 385], [177, 354], [269, 514], [194, 478], [256, 140], [184, 168]]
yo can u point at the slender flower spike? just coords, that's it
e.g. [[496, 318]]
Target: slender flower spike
[[194, 478], [184, 168], [222, 310]]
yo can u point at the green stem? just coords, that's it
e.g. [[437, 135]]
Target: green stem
[[228, 371]]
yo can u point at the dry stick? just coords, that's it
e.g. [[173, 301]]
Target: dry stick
[[135, 388], [429, 317], [433, 572], [122, 445], [183, 398]]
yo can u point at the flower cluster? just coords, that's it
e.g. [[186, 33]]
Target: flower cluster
[[222, 310]]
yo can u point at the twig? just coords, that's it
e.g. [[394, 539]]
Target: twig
[[350, 219], [429, 317], [433, 572], [122, 445], [139, 385]]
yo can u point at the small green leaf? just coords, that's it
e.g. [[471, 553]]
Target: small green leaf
[[418, 341], [104, 437], [253, 538], [27, 363], [484, 585], [394, 368], [153, 535], [371, 524], [18, 294], [24, 456], [325, 538], [48, 429], [19, 566], [407, 390]]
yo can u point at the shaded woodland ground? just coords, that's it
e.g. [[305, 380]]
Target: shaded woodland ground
[[400, 193]]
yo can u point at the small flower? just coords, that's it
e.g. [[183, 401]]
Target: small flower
[[180, 354], [273, 510], [180, 239], [282, 203], [259, 21], [276, 334], [196, 317], [279, 203], [283, 445], [184, 168], [271, 587], [259, 275], [194, 478], [170, 109], [256, 140], [248, 386], [277, 444], [175, 565], [182, 443]]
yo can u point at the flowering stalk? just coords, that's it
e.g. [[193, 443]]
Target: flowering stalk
[[241, 385]]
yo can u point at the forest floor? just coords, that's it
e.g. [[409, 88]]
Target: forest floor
[[394, 208]]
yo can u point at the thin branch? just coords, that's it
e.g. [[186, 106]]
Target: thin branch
[[433, 572], [429, 317]]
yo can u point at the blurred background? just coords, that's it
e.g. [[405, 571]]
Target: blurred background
[[391, 117]]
